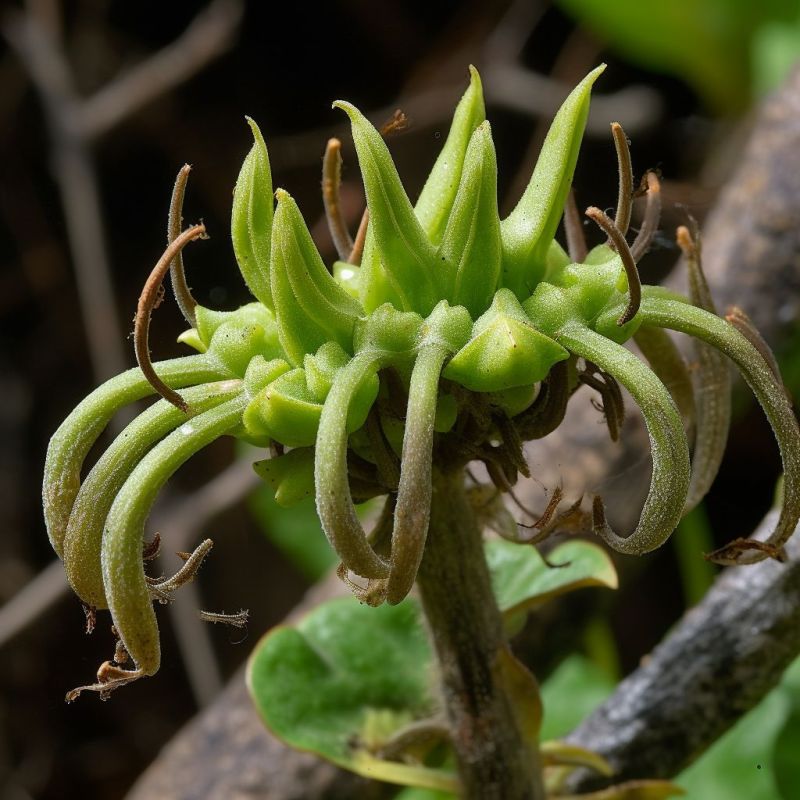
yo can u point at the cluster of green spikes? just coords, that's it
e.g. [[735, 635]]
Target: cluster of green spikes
[[444, 336]]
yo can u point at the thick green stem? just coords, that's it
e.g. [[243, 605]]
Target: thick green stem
[[495, 760]]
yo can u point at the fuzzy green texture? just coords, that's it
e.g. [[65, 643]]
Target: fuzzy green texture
[[457, 337]]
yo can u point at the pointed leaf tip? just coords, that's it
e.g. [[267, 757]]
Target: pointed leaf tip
[[529, 229]]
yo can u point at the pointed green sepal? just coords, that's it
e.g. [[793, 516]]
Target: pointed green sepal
[[439, 193], [311, 307], [402, 246], [251, 219], [528, 231], [471, 241], [313, 286], [505, 350]]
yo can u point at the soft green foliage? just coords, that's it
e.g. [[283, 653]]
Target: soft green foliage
[[722, 47], [347, 678]]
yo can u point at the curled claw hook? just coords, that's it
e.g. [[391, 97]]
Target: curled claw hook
[[723, 336], [84, 534], [413, 509], [126, 586], [334, 500], [669, 482]]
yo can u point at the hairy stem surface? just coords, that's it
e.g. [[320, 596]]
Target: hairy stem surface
[[494, 759]]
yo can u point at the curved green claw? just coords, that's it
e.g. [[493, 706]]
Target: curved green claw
[[334, 500], [75, 436], [84, 534], [717, 333], [670, 479], [413, 509], [127, 591], [666, 361]]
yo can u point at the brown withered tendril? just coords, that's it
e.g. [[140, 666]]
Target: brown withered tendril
[[628, 261], [652, 215], [147, 301], [573, 230], [331, 186], [183, 294], [236, 620], [611, 403], [162, 589], [622, 219]]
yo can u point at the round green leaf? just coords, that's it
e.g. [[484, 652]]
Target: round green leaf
[[522, 580], [344, 678]]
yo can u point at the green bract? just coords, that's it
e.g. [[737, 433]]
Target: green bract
[[453, 336]]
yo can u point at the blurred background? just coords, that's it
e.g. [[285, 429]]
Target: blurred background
[[102, 101]]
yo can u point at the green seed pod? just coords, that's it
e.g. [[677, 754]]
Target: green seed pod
[[251, 219], [528, 231], [505, 350], [471, 242], [438, 195]]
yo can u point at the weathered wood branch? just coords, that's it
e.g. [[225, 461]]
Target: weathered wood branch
[[718, 663]]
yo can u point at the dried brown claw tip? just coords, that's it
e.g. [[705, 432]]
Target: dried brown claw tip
[[652, 215], [152, 548], [371, 591], [742, 322], [162, 589], [237, 620], [109, 677], [331, 184], [735, 553], [625, 196], [91, 617], [573, 229]]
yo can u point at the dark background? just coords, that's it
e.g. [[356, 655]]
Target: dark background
[[285, 65]]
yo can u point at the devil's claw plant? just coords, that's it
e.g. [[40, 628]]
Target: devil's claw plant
[[443, 336]]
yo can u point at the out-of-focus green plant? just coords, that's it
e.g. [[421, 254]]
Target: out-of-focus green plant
[[726, 49], [444, 336]]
